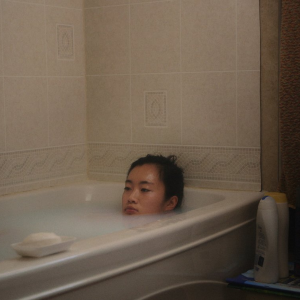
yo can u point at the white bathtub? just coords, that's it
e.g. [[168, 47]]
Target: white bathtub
[[123, 257]]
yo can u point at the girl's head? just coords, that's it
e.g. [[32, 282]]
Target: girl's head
[[154, 184]]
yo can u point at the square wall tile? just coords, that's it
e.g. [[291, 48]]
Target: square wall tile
[[248, 109], [67, 110], [209, 109], [248, 35], [31, 1], [107, 40], [1, 43], [109, 117], [2, 118], [65, 42], [99, 3], [77, 4], [208, 35], [24, 44], [155, 37], [156, 109], [26, 113]]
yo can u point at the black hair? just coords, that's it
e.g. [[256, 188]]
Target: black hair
[[169, 173]]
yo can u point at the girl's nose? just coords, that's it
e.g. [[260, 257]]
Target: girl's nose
[[133, 197]]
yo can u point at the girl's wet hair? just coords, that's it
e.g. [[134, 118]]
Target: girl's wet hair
[[169, 173]]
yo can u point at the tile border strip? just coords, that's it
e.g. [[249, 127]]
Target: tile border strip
[[201, 164], [22, 167], [212, 167]]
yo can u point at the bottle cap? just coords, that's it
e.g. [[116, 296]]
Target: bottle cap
[[278, 197]]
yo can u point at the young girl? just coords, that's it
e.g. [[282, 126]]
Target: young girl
[[154, 184]]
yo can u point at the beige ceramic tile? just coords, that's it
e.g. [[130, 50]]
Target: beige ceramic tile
[[2, 118], [209, 109], [208, 36], [99, 3], [67, 111], [109, 109], [26, 112], [106, 177], [65, 42], [24, 45], [155, 37], [30, 1], [167, 130], [77, 4], [107, 40], [248, 35], [1, 45], [248, 109]]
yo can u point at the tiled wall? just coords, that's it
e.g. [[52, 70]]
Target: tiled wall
[[163, 76], [42, 94], [175, 76]]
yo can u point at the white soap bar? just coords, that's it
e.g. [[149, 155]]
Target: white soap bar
[[41, 239]]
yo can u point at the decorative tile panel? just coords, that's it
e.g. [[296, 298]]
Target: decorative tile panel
[[156, 108], [65, 41], [42, 164], [205, 164]]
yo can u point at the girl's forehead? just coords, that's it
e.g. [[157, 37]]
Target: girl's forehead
[[144, 169], [145, 172]]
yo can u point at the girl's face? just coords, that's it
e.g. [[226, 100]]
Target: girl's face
[[144, 192]]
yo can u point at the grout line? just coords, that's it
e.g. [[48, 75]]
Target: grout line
[[44, 4], [2, 81], [104, 6], [4, 115], [42, 76], [236, 76], [180, 66], [85, 86], [28, 3], [167, 73], [2, 54], [62, 7], [43, 149], [95, 143], [129, 4], [47, 78], [151, 1], [130, 76]]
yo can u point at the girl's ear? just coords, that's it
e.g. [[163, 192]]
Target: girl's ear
[[171, 203]]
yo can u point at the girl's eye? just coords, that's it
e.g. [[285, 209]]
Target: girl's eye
[[126, 188], [145, 190]]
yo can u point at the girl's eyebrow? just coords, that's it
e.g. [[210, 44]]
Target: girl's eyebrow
[[141, 182], [146, 182]]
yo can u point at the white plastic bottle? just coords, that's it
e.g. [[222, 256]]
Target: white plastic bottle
[[283, 232], [266, 253]]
